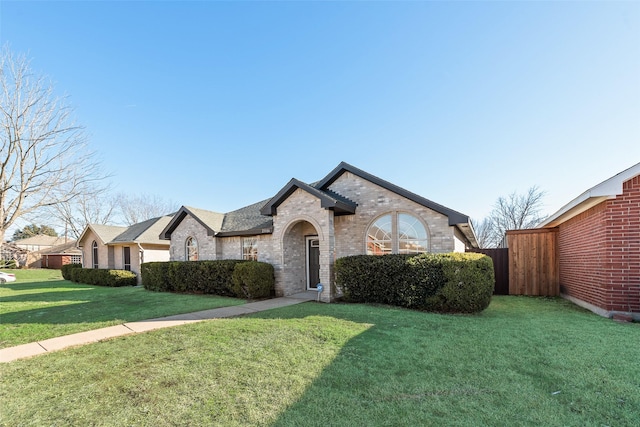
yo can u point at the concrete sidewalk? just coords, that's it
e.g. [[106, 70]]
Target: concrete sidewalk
[[59, 343]]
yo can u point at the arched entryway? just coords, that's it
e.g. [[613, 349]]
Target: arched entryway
[[301, 257]]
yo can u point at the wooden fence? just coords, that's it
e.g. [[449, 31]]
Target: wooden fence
[[500, 257], [533, 262]]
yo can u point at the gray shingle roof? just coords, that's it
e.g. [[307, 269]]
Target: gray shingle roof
[[106, 233], [246, 219], [145, 232]]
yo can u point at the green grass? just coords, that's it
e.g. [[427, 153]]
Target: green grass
[[522, 362], [40, 305]]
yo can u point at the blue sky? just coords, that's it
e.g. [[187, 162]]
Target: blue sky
[[218, 104]]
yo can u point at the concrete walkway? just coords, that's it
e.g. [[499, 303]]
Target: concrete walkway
[[81, 338]]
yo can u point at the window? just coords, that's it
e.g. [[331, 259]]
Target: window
[[412, 236], [94, 254], [76, 259], [397, 233], [191, 249], [126, 255], [379, 241], [250, 249]]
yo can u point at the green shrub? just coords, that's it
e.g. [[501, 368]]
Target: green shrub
[[102, 277], [469, 284], [205, 277], [456, 282], [8, 264], [155, 276], [66, 270], [253, 279]]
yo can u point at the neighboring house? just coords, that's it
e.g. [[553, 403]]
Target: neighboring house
[[10, 252], [40, 242], [124, 248], [60, 255], [598, 246], [304, 228]]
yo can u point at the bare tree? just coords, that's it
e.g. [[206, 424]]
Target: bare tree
[[94, 207], [138, 208], [514, 212], [484, 233], [44, 157]]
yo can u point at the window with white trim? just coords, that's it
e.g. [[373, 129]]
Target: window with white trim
[[191, 249], [250, 248], [397, 232]]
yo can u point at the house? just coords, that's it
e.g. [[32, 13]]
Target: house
[[57, 256], [10, 254], [304, 228], [598, 246], [40, 242], [124, 248]]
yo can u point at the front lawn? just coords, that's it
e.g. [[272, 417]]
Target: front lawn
[[41, 305], [523, 361]]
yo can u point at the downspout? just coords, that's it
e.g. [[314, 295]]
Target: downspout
[[140, 253]]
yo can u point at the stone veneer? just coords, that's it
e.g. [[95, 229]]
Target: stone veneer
[[301, 215]]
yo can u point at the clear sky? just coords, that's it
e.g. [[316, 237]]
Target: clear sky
[[217, 105]]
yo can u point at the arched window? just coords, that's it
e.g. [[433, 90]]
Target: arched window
[[94, 254], [380, 236], [397, 233], [191, 249], [412, 236]]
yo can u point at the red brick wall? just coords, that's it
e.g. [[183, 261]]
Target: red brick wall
[[599, 252]]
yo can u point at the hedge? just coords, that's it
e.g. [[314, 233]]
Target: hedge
[[209, 277], [99, 276], [66, 270], [456, 282], [253, 279]]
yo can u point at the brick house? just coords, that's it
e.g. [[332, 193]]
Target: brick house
[[304, 228], [598, 246], [124, 248], [57, 256]]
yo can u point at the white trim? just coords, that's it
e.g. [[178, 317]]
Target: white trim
[[307, 241], [606, 190]]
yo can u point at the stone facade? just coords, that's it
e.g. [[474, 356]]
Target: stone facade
[[301, 216]]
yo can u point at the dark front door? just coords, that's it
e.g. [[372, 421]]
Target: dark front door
[[313, 262]]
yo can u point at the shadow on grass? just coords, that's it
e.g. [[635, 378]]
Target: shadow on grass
[[27, 286], [494, 368]]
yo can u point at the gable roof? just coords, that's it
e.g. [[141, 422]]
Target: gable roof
[[254, 219], [68, 248], [40, 240], [328, 199], [607, 189], [211, 221], [145, 232], [105, 233], [455, 217]]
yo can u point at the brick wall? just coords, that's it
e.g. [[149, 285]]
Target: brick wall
[[189, 227], [599, 252]]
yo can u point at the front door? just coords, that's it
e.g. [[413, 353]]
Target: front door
[[313, 262]]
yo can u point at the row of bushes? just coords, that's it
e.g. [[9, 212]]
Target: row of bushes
[[455, 282], [98, 276], [235, 278]]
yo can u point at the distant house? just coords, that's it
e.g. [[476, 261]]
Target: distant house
[[40, 242], [304, 228], [124, 248], [57, 256], [598, 246]]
